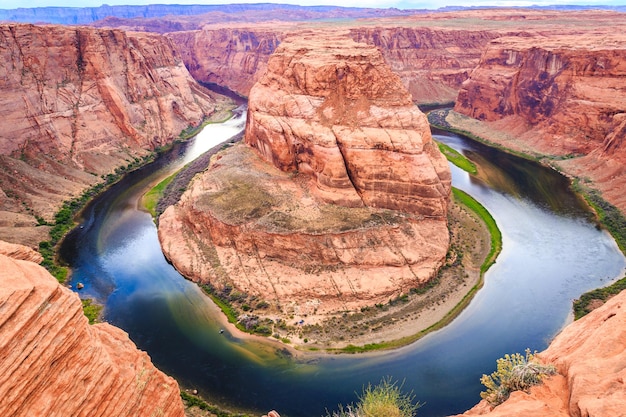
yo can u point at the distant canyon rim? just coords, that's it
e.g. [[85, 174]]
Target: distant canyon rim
[[80, 102]]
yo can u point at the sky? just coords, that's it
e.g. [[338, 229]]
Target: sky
[[402, 4]]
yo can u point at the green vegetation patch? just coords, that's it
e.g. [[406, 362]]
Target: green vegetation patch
[[194, 401], [91, 310], [457, 158], [496, 236], [514, 372], [584, 305], [384, 400], [152, 197]]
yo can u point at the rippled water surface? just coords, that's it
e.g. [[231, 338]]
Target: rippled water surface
[[551, 254]]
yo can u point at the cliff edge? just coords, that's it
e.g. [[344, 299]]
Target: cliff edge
[[53, 363], [590, 358]]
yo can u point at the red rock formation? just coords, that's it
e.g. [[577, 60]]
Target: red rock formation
[[53, 363], [562, 96], [313, 232], [78, 102], [230, 57], [333, 110], [590, 358], [432, 63]]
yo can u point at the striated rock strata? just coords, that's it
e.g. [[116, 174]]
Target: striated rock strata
[[590, 358], [78, 102], [342, 200], [53, 363], [335, 112], [432, 63], [562, 96]]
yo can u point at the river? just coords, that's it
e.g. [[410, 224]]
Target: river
[[551, 254]]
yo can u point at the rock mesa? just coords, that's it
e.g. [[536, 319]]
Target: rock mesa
[[53, 363], [339, 199]]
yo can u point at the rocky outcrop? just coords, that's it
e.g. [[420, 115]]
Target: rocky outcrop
[[78, 103], [351, 209], [562, 96], [53, 363], [590, 358], [332, 110]]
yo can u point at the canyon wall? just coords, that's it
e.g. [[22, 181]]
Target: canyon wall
[[53, 363], [432, 63], [590, 359], [77, 103], [337, 199], [560, 96]]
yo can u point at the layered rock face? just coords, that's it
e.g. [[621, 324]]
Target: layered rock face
[[561, 96], [590, 358], [79, 102], [432, 63], [230, 57], [340, 204], [53, 363], [333, 110]]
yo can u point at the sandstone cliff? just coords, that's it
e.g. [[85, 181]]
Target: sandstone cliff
[[230, 57], [78, 102], [560, 96], [351, 209], [333, 110], [590, 358], [53, 363], [432, 63]]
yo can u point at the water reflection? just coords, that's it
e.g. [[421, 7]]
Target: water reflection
[[551, 254]]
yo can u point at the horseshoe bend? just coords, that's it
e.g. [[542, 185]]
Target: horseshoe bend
[[337, 200]]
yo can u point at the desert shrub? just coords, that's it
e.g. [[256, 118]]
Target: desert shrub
[[514, 372], [384, 400]]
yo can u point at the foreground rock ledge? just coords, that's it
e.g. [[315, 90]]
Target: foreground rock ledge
[[349, 212], [590, 358], [53, 363]]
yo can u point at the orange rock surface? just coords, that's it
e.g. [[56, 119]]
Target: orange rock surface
[[77, 103], [562, 96], [331, 109], [342, 205], [590, 358], [53, 363]]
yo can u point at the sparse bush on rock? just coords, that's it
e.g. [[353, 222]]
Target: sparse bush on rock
[[514, 372], [384, 400]]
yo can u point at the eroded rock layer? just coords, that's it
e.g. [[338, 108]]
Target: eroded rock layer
[[332, 109], [53, 363], [78, 102], [590, 358], [340, 203], [562, 96]]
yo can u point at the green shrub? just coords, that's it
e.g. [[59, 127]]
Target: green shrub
[[384, 400], [514, 372]]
